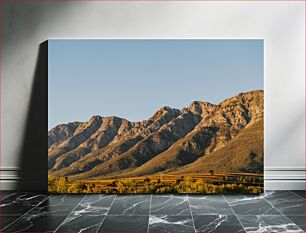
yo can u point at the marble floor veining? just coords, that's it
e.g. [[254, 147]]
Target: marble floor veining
[[273, 211]]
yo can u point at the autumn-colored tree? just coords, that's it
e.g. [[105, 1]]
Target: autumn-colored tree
[[77, 187], [147, 179]]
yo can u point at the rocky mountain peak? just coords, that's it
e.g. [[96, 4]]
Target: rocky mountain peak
[[62, 132], [166, 110], [201, 108]]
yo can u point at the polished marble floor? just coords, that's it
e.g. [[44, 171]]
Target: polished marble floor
[[274, 211]]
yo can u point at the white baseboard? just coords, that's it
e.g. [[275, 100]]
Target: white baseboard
[[284, 185], [9, 178], [276, 178], [284, 178]]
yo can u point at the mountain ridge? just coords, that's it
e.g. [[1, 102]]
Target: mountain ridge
[[170, 139]]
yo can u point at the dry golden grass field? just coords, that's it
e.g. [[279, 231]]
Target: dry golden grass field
[[191, 183]]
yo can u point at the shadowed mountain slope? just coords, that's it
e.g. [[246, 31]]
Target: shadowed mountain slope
[[212, 133], [243, 153]]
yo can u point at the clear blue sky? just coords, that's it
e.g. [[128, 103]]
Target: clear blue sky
[[134, 78]]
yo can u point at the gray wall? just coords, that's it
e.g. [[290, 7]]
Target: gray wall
[[23, 70]]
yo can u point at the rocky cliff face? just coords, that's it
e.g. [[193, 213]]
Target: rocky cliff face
[[61, 133], [169, 140]]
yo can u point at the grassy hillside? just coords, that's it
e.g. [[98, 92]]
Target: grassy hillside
[[243, 153]]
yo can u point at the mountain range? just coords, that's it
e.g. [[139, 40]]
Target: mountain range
[[226, 137]]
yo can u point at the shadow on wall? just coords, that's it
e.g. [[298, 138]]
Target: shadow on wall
[[34, 160]]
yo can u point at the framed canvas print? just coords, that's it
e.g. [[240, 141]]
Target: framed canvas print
[[155, 116]]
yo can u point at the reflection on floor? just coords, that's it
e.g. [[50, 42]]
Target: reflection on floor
[[278, 211]]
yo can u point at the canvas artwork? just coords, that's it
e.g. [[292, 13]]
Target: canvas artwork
[[155, 116]]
